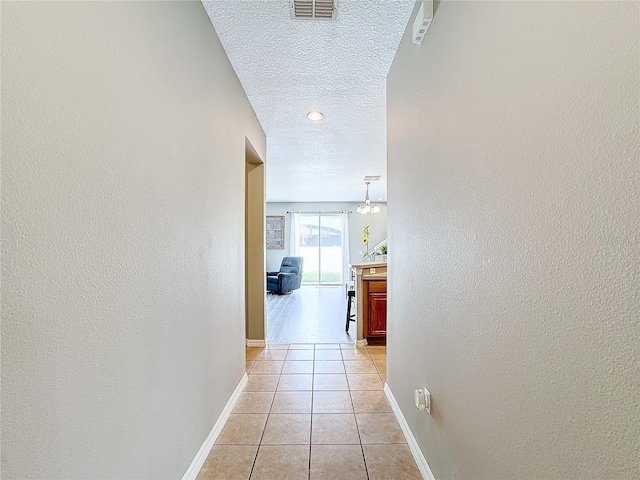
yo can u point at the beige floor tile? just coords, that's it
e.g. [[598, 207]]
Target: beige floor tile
[[254, 402], [262, 383], [353, 354], [377, 348], [379, 361], [248, 365], [390, 461], [302, 346], [232, 462], [282, 462], [295, 382], [364, 381], [378, 355], [379, 428], [382, 369], [343, 462], [334, 429], [327, 346], [359, 366], [347, 346], [292, 402], [328, 355], [300, 354], [298, 366], [370, 402], [330, 381], [272, 355], [287, 429], [277, 346], [242, 429], [332, 402], [273, 367], [252, 352], [328, 366]]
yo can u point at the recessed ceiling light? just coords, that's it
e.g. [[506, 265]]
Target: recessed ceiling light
[[315, 115]]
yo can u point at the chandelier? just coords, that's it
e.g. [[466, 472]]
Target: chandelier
[[367, 206]]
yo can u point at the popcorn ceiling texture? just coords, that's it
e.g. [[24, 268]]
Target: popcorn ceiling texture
[[123, 158], [290, 67], [514, 283]]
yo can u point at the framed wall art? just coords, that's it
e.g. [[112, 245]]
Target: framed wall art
[[275, 232]]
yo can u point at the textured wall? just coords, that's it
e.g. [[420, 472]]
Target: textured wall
[[123, 151], [378, 230], [514, 215]]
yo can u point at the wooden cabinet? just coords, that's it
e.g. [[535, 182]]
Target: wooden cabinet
[[375, 308]]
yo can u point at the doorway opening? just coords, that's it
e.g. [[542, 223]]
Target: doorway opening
[[255, 279]]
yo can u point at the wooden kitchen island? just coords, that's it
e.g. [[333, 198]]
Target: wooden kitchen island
[[371, 302]]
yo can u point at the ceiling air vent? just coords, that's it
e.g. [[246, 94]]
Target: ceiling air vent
[[313, 9]]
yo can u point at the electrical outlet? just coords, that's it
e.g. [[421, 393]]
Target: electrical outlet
[[372, 270], [423, 399]]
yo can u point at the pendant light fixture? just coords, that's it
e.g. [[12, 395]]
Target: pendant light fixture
[[367, 206]]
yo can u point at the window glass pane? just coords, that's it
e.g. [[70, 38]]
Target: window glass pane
[[320, 244], [331, 248]]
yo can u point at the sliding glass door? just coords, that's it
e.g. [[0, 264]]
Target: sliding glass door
[[320, 244]]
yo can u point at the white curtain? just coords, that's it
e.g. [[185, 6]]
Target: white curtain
[[294, 235], [345, 248]]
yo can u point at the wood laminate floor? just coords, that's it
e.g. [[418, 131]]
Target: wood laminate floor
[[311, 314]]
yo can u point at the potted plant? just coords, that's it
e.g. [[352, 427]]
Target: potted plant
[[383, 252]]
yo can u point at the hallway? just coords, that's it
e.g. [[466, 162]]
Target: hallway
[[312, 412]]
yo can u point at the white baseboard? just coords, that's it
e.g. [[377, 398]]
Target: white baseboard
[[361, 343], [201, 456], [423, 466], [257, 343]]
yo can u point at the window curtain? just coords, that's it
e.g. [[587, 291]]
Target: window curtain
[[294, 234], [345, 248]]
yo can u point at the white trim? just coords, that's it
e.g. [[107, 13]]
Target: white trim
[[423, 466], [201, 456], [361, 343], [257, 343]]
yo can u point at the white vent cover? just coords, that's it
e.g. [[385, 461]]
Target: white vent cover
[[422, 21], [313, 9]]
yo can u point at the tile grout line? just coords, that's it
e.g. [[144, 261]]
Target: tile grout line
[[355, 418], [255, 459], [313, 384]]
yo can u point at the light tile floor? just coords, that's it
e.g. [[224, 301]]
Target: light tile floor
[[312, 412]]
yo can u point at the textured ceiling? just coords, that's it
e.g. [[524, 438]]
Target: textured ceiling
[[290, 67]]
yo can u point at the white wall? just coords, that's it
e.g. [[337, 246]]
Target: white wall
[[514, 280], [377, 231], [123, 150]]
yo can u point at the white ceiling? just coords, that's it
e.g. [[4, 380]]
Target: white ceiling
[[290, 67]]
